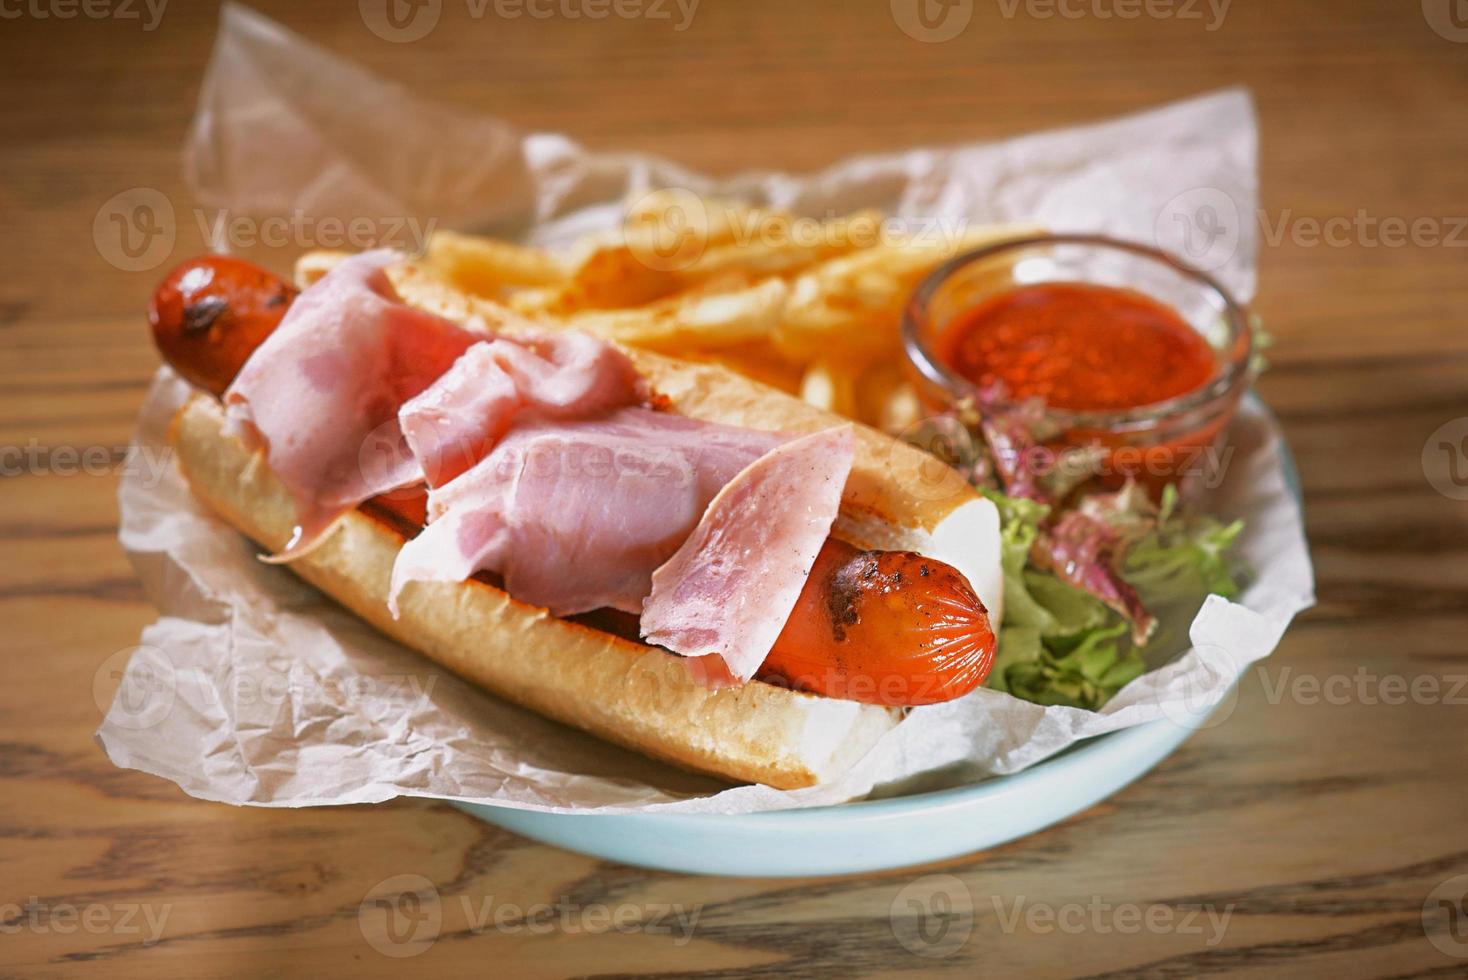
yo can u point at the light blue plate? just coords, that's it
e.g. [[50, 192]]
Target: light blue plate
[[867, 836], [872, 835]]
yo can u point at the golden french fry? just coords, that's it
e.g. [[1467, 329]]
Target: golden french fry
[[659, 222], [673, 242], [485, 266], [855, 300], [903, 410], [668, 230], [663, 234], [780, 245], [885, 398], [697, 320], [830, 386]]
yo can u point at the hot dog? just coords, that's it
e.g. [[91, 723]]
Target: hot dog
[[209, 314], [880, 626], [884, 627]]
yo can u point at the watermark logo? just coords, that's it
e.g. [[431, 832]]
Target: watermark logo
[[150, 464], [933, 916], [1211, 12], [1447, 18], [570, 918], [948, 447], [1445, 917], [1445, 459], [1097, 916], [590, 10], [403, 21], [1208, 694], [667, 230], [1364, 230], [401, 916], [1363, 687], [400, 21], [932, 21], [135, 230], [144, 683], [227, 232], [1202, 225], [94, 918], [147, 12]]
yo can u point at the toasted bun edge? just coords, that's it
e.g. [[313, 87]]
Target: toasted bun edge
[[628, 693]]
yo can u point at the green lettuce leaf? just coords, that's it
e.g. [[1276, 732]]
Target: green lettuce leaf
[[1061, 645], [1185, 556]]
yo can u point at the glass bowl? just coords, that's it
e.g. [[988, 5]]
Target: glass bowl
[[1172, 441]]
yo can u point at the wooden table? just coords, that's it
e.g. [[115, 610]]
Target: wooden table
[[1321, 822]]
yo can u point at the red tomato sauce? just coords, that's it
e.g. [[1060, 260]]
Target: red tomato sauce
[[1078, 346]]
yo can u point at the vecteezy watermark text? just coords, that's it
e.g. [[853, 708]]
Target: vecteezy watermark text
[[936, 21], [933, 916], [135, 230], [1097, 916], [35, 459], [149, 13], [93, 918], [1211, 12], [404, 21], [403, 916], [1205, 226], [232, 232]]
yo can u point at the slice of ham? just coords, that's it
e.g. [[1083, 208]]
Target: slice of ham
[[543, 465], [458, 419], [321, 394], [734, 582], [577, 515]]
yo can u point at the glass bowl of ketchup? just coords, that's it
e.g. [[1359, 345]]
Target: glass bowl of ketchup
[[1125, 348]]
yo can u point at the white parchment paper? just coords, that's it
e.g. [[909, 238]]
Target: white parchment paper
[[253, 689]]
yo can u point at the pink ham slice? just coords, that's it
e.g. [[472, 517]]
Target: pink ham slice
[[543, 466], [456, 421], [576, 515], [729, 588], [321, 394]]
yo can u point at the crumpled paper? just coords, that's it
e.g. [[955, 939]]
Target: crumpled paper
[[253, 689]]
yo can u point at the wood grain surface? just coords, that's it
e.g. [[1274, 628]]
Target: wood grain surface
[[1321, 825]]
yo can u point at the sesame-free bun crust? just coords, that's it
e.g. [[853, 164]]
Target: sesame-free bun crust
[[638, 696]]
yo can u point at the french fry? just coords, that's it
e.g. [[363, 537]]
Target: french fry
[[663, 233], [672, 243], [830, 387], [697, 320], [486, 266], [885, 399], [779, 246], [667, 217], [854, 301]]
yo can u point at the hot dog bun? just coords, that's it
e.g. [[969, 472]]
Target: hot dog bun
[[626, 692]]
